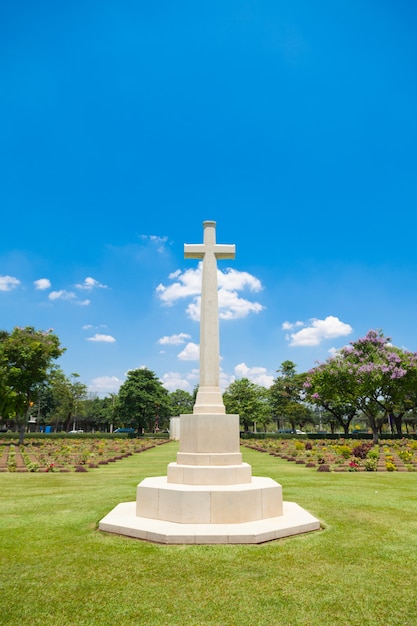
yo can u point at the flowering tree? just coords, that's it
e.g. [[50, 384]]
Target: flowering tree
[[369, 376]]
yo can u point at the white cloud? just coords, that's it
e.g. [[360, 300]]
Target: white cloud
[[234, 280], [231, 305], [173, 381], [7, 283], [89, 326], [103, 385], [187, 284], [62, 295], [159, 243], [67, 295], [174, 340], [225, 380], [291, 325], [191, 352], [42, 283], [319, 330], [102, 338], [257, 375], [90, 283]]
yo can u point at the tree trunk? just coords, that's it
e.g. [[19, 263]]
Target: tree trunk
[[21, 433], [397, 419]]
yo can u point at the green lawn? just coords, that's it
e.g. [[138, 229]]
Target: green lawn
[[58, 570]]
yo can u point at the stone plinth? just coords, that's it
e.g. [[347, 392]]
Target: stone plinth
[[209, 433], [209, 452], [209, 474], [208, 504]]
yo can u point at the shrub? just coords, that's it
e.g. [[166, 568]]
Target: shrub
[[371, 464], [323, 468], [344, 451], [33, 467], [405, 455], [353, 466], [362, 450]]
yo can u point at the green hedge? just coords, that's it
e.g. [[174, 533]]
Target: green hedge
[[96, 435], [244, 435]]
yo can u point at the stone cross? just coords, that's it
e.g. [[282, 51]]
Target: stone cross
[[209, 397]]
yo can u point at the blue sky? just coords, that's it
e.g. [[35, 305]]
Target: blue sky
[[124, 125]]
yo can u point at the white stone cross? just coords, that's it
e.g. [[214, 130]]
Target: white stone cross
[[209, 397]]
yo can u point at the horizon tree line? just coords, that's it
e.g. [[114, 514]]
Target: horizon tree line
[[369, 382]]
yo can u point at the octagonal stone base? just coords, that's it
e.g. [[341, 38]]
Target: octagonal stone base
[[159, 499], [122, 520]]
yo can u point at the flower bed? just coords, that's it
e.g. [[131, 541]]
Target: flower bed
[[343, 455], [68, 455]]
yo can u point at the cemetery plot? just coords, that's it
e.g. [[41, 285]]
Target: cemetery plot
[[343, 455], [63, 455]]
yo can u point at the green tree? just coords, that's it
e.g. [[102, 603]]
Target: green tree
[[249, 401], [26, 357], [68, 394], [142, 400], [181, 401], [325, 390], [99, 413], [286, 396]]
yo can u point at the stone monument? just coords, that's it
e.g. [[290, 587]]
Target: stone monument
[[209, 495]]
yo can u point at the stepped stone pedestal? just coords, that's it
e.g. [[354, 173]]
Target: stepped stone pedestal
[[209, 495]]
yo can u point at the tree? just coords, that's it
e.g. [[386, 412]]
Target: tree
[[286, 396], [99, 413], [181, 401], [249, 401], [327, 391], [142, 400], [370, 375], [68, 394], [26, 357]]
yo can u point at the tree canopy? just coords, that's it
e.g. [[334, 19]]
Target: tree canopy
[[142, 400], [286, 396], [370, 376], [26, 357], [249, 401], [182, 402]]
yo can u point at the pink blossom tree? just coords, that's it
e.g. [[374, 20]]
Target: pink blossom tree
[[370, 376]]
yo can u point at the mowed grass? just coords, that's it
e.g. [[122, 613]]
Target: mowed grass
[[57, 569]]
